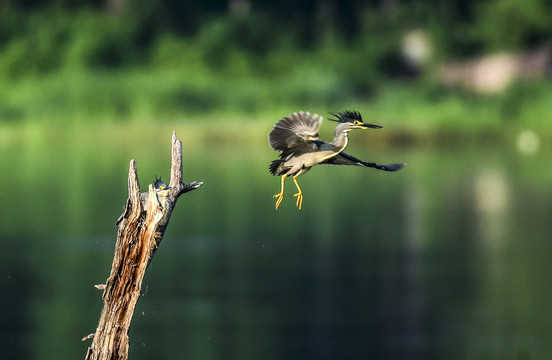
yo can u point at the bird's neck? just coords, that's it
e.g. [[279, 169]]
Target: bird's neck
[[340, 139]]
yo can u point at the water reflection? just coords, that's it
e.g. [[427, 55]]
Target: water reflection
[[446, 260]]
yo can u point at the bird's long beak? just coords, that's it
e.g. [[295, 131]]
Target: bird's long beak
[[370, 126]]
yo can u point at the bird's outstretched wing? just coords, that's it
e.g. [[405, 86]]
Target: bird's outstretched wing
[[346, 159], [295, 131]]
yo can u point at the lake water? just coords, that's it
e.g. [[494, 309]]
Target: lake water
[[449, 258]]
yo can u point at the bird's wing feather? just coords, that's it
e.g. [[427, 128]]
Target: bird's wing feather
[[346, 159], [295, 131]]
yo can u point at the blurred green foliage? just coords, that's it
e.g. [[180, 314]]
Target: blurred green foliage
[[511, 24], [41, 36], [86, 60]]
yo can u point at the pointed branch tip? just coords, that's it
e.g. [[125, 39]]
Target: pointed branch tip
[[88, 337], [193, 185]]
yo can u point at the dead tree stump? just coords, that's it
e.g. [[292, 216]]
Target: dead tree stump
[[140, 230]]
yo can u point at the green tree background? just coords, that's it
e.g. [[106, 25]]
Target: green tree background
[[129, 59]]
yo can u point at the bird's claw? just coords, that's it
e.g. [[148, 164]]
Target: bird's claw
[[280, 197], [299, 197]]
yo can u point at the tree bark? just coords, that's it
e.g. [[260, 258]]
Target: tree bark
[[140, 230]]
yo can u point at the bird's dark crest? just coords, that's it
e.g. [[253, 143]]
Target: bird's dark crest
[[347, 116], [160, 184]]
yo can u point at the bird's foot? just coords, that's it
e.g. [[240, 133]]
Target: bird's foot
[[279, 197], [299, 197]]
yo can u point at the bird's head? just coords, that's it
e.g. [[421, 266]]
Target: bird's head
[[352, 120], [160, 184]]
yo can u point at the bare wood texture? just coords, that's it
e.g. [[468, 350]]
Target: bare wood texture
[[140, 230]]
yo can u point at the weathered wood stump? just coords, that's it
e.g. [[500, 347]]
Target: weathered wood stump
[[140, 230]]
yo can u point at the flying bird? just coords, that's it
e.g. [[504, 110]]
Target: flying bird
[[296, 138]]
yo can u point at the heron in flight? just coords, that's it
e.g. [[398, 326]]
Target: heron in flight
[[296, 138]]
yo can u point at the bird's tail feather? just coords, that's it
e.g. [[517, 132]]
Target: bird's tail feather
[[274, 165]]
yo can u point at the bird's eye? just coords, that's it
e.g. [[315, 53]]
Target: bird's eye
[[357, 123]]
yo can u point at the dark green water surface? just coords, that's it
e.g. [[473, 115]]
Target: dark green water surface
[[448, 259]]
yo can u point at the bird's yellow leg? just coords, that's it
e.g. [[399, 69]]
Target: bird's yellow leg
[[299, 195], [280, 195]]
